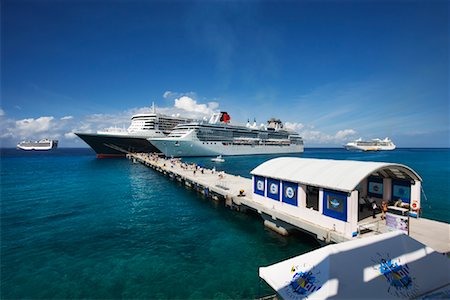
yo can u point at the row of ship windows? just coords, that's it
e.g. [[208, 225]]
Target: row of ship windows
[[208, 135]]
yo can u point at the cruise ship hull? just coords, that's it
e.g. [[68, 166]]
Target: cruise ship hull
[[189, 148], [106, 145]]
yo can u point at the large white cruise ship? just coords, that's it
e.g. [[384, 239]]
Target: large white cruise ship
[[218, 137], [111, 142], [373, 145], [41, 145]]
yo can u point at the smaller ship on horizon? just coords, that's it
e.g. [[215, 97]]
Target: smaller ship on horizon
[[373, 145], [41, 145]]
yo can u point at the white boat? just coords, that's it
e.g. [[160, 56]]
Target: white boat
[[41, 145], [373, 145], [218, 159], [219, 137], [108, 142]]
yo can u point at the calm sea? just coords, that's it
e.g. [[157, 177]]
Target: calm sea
[[73, 226]]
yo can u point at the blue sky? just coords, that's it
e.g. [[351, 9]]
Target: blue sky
[[333, 70]]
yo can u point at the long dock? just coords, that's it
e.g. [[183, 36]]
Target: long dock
[[236, 191]]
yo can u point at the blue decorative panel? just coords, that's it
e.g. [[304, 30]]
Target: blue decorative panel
[[335, 205], [401, 190], [375, 187], [290, 193], [259, 185], [273, 189]]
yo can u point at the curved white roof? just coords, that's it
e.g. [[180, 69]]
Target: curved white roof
[[341, 175]]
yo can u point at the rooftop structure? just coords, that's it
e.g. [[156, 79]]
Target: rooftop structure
[[335, 194], [390, 265]]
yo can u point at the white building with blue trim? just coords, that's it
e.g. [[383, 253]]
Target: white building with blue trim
[[333, 194]]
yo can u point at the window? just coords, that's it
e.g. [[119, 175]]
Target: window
[[312, 197]]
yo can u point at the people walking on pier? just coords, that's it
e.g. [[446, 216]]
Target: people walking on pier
[[384, 208], [374, 207]]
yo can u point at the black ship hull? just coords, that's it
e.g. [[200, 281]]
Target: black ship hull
[[109, 145]]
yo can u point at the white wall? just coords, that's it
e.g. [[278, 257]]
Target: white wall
[[352, 212], [311, 215], [387, 189], [415, 193]]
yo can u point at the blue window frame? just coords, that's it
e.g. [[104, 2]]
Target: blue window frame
[[401, 190], [273, 189], [335, 205], [259, 185], [290, 192], [375, 187]]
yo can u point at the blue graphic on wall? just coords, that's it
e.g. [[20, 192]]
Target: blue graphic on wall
[[259, 185], [375, 187], [335, 205], [273, 189], [290, 193], [401, 190], [305, 281], [397, 275]]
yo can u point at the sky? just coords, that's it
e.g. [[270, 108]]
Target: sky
[[332, 70]]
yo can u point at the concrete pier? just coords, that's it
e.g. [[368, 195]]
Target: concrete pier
[[236, 192]]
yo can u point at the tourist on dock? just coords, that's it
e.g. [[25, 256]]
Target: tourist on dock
[[384, 208], [374, 207]]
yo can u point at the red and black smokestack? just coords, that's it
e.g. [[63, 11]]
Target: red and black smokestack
[[225, 117]]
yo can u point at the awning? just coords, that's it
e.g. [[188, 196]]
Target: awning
[[389, 265], [341, 175]]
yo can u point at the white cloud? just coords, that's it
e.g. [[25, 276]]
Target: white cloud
[[2, 112], [66, 118], [294, 126], [31, 126], [167, 94], [190, 105], [314, 136], [344, 134], [70, 135]]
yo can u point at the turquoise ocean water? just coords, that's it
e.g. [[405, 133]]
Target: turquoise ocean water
[[73, 226]]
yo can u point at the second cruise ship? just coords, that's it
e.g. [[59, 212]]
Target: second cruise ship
[[373, 145], [218, 137]]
